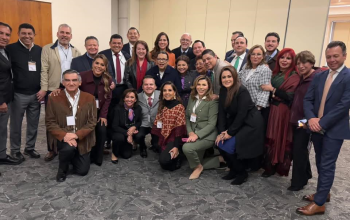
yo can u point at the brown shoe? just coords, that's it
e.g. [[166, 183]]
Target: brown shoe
[[50, 156], [311, 209], [310, 198]]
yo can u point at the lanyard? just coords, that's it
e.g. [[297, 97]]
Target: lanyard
[[65, 54]]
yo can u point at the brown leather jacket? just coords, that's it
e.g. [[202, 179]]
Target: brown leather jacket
[[57, 110]]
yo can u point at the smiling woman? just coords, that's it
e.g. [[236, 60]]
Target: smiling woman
[[162, 44]]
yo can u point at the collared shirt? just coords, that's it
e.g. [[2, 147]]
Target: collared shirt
[[66, 56], [2, 51], [241, 58], [122, 61], [131, 46], [73, 102], [186, 51], [161, 74], [269, 57], [198, 102], [146, 97], [337, 72], [25, 45]]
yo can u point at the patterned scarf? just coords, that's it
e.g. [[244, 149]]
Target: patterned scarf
[[131, 112]]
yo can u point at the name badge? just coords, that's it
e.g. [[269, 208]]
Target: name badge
[[97, 104], [70, 120], [149, 118], [193, 117], [159, 124], [31, 66]]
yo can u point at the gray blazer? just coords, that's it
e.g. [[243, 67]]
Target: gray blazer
[[205, 125], [217, 69], [261, 76], [146, 110]]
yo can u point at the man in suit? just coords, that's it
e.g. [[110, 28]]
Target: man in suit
[[149, 101], [326, 107], [230, 54], [6, 93], [117, 58], [184, 48], [84, 62], [239, 57], [272, 41], [55, 59], [133, 35], [198, 47], [214, 66], [26, 68]]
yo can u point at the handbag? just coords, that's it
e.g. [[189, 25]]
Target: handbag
[[229, 146]]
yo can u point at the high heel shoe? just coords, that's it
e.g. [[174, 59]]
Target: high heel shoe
[[114, 161]]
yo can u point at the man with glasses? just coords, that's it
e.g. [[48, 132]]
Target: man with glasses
[[163, 72], [71, 117], [184, 48]]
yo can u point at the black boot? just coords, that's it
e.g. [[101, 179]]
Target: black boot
[[241, 178]]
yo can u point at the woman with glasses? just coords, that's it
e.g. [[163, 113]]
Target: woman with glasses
[[187, 77], [161, 44], [163, 72], [201, 69], [126, 123]]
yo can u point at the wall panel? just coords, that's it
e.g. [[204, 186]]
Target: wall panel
[[161, 17], [177, 22], [146, 22], [196, 18], [342, 33]]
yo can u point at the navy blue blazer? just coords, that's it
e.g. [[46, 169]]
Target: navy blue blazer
[[170, 74], [126, 48], [108, 54], [177, 52], [81, 64], [335, 120], [229, 58]]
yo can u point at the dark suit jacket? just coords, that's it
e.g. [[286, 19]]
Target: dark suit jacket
[[272, 62], [130, 73], [229, 58], [6, 88], [335, 120], [108, 54], [126, 48], [170, 74], [81, 64], [177, 52], [121, 123]]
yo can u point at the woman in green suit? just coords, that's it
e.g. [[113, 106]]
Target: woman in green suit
[[201, 118]]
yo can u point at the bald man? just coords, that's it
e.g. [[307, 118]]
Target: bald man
[[184, 48]]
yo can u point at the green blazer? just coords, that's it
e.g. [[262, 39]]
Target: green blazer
[[205, 125]]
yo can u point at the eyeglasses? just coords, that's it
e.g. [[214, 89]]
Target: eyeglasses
[[199, 64], [185, 40], [256, 55], [161, 60]]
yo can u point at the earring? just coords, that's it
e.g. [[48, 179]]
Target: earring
[[175, 97]]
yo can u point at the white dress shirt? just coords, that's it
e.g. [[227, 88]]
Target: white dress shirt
[[73, 102], [337, 72], [146, 97], [241, 58], [66, 56], [131, 47], [122, 65]]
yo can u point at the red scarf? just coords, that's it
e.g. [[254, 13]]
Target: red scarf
[[140, 72]]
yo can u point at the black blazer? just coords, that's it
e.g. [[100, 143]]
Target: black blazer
[[121, 122], [242, 120], [108, 54], [229, 58], [130, 74], [126, 48], [170, 74], [81, 64], [177, 52], [272, 62], [6, 87]]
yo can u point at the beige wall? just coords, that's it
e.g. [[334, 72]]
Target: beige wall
[[86, 17], [213, 21]]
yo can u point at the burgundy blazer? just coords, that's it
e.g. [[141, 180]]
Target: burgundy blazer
[[88, 85]]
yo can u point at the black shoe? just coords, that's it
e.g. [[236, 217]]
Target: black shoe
[[108, 145], [143, 153], [240, 179], [229, 176], [18, 156], [222, 166], [61, 176], [295, 188], [32, 153], [267, 174], [114, 161], [10, 161]]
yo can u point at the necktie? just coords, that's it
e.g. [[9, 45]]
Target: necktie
[[150, 101], [2, 51], [327, 85], [236, 64], [118, 70]]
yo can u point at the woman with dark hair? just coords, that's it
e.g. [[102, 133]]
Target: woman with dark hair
[[169, 127], [201, 119], [187, 77], [240, 126], [97, 82], [162, 44], [201, 69], [301, 171], [138, 65], [126, 123], [278, 144]]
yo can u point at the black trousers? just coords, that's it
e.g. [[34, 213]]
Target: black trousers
[[96, 154], [47, 132], [70, 155], [165, 160], [120, 146], [140, 137], [301, 172], [236, 165]]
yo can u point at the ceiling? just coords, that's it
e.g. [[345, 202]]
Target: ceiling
[[340, 2]]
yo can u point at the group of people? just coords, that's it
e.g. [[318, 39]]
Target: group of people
[[257, 108]]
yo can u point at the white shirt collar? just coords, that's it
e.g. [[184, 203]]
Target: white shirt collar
[[197, 96], [62, 47], [242, 55], [25, 45], [340, 68], [146, 96], [185, 50]]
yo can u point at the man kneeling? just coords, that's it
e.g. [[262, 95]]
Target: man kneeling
[[70, 120]]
